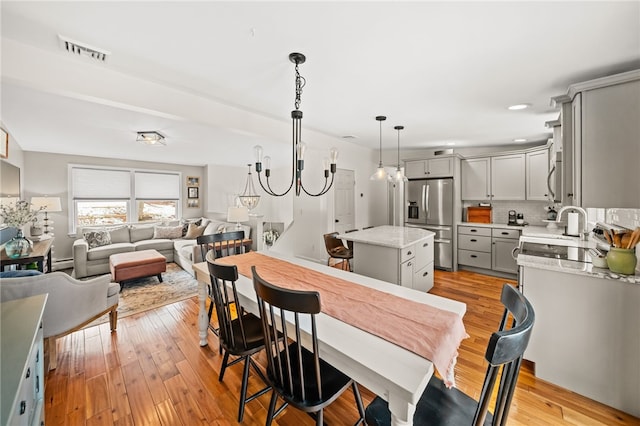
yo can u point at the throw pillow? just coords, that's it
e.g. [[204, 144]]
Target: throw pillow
[[140, 233], [97, 238], [170, 232], [194, 231], [222, 228], [118, 234], [185, 224]]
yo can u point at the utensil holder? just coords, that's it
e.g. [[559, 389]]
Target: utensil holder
[[622, 261]]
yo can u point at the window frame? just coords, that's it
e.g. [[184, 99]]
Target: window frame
[[132, 201]]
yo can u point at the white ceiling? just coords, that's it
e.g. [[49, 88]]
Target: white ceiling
[[215, 78]]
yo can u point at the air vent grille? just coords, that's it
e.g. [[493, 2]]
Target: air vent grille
[[82, 49]]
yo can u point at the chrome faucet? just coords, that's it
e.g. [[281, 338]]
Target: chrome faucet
[[585, 230]]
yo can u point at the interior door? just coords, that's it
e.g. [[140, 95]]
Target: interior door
[[344, 197]]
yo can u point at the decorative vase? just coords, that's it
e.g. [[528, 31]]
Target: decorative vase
[[17, 246], [622, 261]]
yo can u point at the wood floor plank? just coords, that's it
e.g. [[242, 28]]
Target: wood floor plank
[[153, 371]]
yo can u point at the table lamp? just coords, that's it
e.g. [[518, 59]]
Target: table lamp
[[237, 214], [47, 204]]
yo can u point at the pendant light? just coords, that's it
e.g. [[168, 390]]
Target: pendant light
[[381, 173], [399, 176], [249, 197]]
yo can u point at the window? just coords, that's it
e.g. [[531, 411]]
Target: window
[[103, 196]]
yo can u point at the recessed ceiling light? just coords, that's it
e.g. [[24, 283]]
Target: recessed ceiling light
[[451, 143], [520, 140], [518, 107]]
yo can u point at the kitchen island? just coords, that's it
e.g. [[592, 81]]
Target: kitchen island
[[586, 337], [396, 254]]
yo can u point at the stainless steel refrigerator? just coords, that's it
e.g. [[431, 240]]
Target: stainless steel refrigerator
[[429, 205]]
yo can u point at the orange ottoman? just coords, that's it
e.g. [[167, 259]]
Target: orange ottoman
[[137, 264]]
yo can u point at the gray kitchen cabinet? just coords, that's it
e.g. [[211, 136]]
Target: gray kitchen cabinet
[[430, 168], [503, 242], [476, 178], [537, 173], [508, 177], [600, 129], [500, 177], [488, 248]]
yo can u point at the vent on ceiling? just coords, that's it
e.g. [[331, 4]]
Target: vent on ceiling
[[82, 49]]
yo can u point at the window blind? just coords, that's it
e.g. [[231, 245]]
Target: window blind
[[157, 186], [89, 183]]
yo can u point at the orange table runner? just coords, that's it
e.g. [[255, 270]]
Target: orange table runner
[[432, 333]]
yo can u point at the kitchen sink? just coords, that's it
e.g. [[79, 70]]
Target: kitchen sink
[[555, 251]]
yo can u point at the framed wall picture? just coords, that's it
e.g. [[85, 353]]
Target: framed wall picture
[[4, 143], [193, 203], [192, 192], [193, 181]]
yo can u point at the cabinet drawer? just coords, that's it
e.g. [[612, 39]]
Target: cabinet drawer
[[474, 242], [423, 278], [424, 253], [505, 233], [472, 230], [407, 253], [474, 258]]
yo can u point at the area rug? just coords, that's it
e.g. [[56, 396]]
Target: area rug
[[147, 293]]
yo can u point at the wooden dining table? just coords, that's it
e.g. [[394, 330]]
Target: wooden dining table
[[396, 374]]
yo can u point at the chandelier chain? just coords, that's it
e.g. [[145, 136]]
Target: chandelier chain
[[300, 83]]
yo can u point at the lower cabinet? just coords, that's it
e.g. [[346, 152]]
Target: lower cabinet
[[487, 248], [410, 267]]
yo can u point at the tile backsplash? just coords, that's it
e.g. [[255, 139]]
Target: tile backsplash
[[534, 211], [629, 218]]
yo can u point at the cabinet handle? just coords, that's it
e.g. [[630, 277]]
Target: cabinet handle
[[473, 230], [38, 356], [505, 233], [409, 253], [37, 384], [473, 240], [23, 407], [425, 274], [474, 256], [409, 264], [425, 245], [28, 373]]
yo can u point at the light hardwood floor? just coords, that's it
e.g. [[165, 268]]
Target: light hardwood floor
[[152, 371]]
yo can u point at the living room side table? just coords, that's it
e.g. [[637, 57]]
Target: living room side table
[[40, 254]]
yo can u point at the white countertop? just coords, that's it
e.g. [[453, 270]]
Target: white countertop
[[388, 236], [493, 225]]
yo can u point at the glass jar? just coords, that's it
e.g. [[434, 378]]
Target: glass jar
[[17, 246], [622, 261]]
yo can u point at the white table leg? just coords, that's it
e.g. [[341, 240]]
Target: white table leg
[[203, 318], [401, 412]]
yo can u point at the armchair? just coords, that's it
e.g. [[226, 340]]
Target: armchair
[[71, 305]]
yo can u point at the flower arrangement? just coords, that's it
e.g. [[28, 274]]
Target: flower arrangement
[[17, 215]]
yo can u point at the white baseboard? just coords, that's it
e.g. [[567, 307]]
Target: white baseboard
[[58, 264]]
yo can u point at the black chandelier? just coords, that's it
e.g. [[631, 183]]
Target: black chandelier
[[299, 148]]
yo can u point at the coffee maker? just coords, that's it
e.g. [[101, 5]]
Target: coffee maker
[[512, 218]]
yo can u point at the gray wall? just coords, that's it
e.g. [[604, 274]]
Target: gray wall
[[46, 174]]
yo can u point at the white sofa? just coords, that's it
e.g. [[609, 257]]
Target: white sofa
[[140, 236]]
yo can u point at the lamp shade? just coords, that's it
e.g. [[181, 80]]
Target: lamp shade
[[237, 214], [47, 204]]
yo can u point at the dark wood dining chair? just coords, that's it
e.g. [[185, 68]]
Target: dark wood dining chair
[[337, 250], [297, 374], [441, 406], [220, 245], [240, 333]]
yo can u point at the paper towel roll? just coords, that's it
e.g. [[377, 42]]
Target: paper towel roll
[[572, 224]]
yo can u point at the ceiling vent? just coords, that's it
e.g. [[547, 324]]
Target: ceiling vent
[[82, 49]]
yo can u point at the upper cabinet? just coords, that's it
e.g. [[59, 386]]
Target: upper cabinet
[[431, 168], [476, 178], [508, 177], [600, 131], [538, 174], [499, 177]]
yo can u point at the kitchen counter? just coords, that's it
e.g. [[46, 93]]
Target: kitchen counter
[[495, 225], [399, 237], [396, 254]]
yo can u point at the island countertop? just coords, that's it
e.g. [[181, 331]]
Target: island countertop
[[388, 236]]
